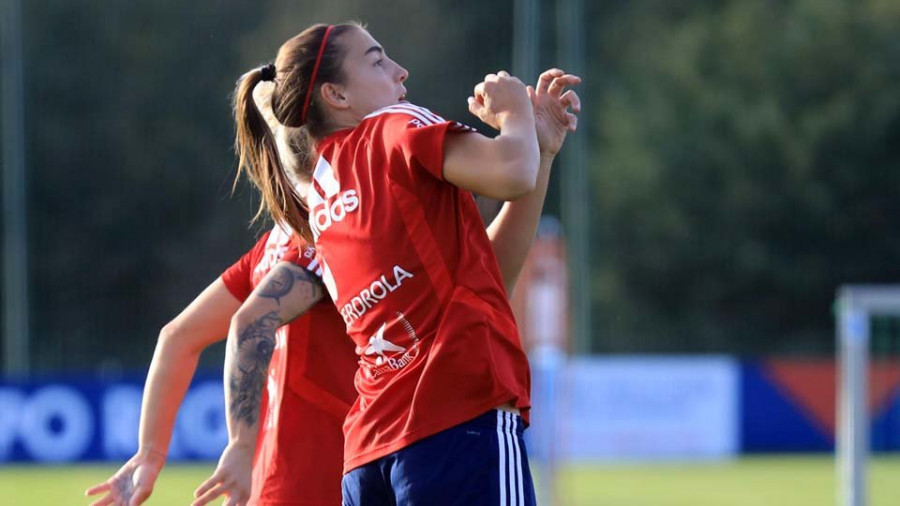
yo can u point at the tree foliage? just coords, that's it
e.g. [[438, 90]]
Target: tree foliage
[[749, 166], [744, 158]]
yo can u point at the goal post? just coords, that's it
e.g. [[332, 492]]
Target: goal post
[[856, 305]]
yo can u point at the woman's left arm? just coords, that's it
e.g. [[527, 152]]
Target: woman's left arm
[[512, 231]]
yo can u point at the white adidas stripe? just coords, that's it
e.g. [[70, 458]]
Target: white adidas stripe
[[423, 111], [406, 106], [501, 463], [422, 114], [313, 199], [324, 175], [518, 451], [511, 461], [512, 483], [314, 268], [409, 112]]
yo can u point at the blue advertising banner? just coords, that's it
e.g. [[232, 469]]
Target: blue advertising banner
[[83, 420], [585, 409]]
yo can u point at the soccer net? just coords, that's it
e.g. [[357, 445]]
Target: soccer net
[[868, 327]]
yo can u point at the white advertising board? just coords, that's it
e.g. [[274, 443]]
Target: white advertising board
[[638, 408]]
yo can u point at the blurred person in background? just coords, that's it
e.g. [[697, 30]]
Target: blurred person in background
[[350, 98]]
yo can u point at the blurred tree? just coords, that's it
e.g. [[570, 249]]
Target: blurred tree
[[129, 142], [746, 158], [130, 168], [748, 166]]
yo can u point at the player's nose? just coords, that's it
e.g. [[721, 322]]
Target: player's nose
[[402, 74]]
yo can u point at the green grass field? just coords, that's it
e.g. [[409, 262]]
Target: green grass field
[[769, 481]]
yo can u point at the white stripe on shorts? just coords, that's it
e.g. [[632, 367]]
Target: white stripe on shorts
[[515, 437], [511, 460], [512, 484], [501, 463]]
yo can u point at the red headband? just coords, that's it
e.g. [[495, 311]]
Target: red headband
[[312, 78]]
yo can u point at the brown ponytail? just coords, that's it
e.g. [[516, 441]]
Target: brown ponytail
[[255, 145], [258, 159]]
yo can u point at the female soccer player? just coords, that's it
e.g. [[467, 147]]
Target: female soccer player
[[309, 388], [443, 379]]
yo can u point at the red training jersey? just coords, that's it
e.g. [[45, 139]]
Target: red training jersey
[[309, 389], [412, 272]]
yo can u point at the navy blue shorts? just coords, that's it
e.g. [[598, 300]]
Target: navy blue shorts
[[482, 461]]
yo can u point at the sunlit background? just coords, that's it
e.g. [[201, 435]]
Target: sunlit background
[[736, 163]]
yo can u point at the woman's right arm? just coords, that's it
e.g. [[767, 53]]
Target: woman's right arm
[[285, 293], [505, 167], [204, 322]]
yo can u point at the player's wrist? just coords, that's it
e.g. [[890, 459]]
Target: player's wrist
[[515, 118], [243, 443], [152, 454]]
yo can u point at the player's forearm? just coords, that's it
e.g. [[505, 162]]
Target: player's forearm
[[513, 230], [251, 342], [502, 168], [286, 292], [516, 154], [167, 382]]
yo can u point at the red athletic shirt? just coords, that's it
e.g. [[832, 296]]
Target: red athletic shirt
[[411, 270], [309, 391]]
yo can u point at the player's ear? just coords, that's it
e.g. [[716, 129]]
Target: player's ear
[[334, 95]]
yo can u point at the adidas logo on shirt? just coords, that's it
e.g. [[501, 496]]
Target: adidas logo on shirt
[[328, 203]]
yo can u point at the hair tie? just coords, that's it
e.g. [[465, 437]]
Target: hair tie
[[312, 77], [267, 72]]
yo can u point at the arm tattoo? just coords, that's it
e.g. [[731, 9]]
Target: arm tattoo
[[313, 283], [279, 285], [254, 349], [282, 279]]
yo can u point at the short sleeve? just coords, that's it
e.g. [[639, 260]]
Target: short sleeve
[[303, 254], [418, 135], [238, 277]]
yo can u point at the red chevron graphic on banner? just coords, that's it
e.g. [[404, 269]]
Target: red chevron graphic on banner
[[811, 384]]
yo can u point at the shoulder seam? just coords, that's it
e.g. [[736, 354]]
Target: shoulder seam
[[420, 113]]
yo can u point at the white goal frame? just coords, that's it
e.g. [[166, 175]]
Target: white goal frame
[[855, 306]]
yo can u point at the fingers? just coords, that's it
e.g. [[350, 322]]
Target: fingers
[[210, 495], [141, 493], [573, 122], [531, 95], [478, 92], [570, 99], [559, 83], [476, 107], [211, 482], [234, 501], [546, 78], [498, 77], [104, 501], [96, 489]]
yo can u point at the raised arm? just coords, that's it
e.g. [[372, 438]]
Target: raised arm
[[204, 322], [505, 167], [512, 231], [285, 293]]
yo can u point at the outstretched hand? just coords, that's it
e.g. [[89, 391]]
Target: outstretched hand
[[552, 115], [231, 478], [132, 484]]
